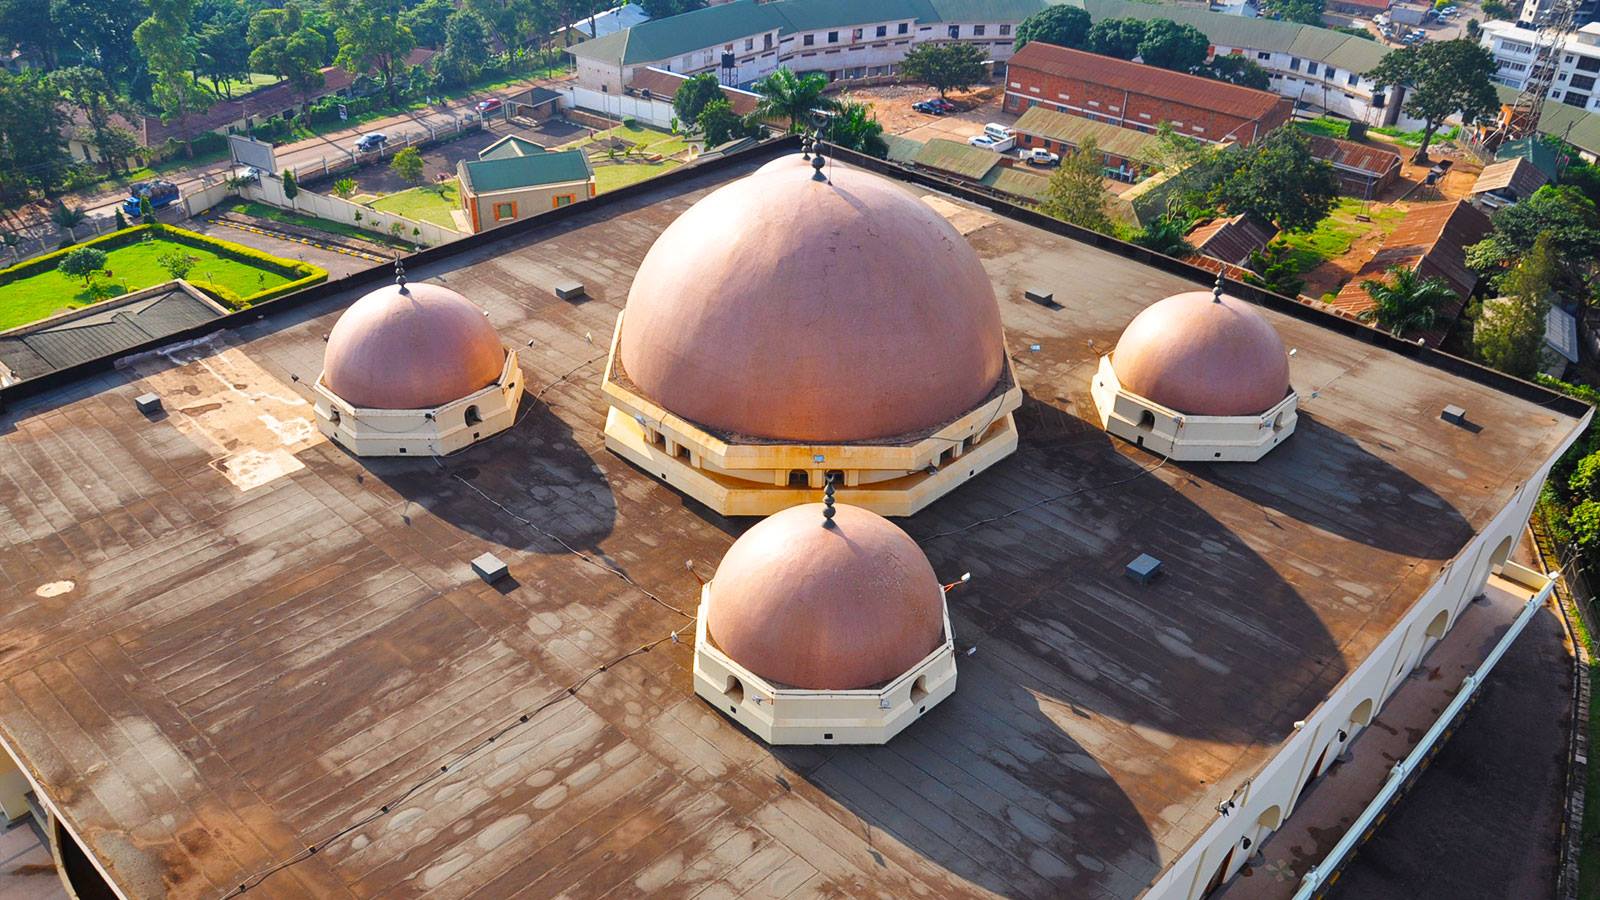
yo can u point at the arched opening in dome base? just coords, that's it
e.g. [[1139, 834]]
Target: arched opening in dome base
[[1189, 438], [735, 476], [436, 431], [779, 714]]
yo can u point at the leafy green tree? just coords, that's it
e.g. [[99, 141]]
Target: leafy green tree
[[1509, 333], [1117, 37], [370, 36], [284, 44], [1164, 235], [1584, 520], [1236, 69], [33, 151], [717, 121], [83, 263], [787, 97], [427, 21], [1495, 9], [29, 26], [944, 66], [169, 53], [408, 165], [87, 89], [1407, 301], [122, 221], [1064, 26], [1306, 12], [291, 188], [1273, 267], [1442, 79], [694, 94], [177, 263], [1076, 192], [147, 211], [96, 33], [344, 188], [222, 52], [466, 43], [1278, 179], [1181, 48], [660, 9], [1585, 480], [854, 127], [66, 217], [511, 21], [1563, 214]]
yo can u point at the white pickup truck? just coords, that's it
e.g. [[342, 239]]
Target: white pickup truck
[[1039, 156]]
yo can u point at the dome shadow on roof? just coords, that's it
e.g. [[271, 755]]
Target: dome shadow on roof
[[415, 348], [788, 308], [820, 608], [1203, 356]]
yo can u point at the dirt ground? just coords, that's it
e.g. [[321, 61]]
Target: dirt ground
[[892, 105]]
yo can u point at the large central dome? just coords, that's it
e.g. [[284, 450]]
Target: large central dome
[[788, 308]]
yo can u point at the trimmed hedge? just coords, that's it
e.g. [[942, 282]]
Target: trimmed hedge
[[299, 274]]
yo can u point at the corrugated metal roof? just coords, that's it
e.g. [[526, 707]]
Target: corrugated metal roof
[[984, 10], [1364, 158], [814, 15], [1017, 182], [1232, 240], [1065, 127], [482, 176], [1150, 81], [1561, 333], [1342, 51], [106, 329], [1578, 127], [1516, 175], [664, 84], [510, 146], [901, 149], [956, 158]]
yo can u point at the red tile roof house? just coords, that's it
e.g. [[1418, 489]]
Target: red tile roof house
[[660, 84], [1364, 8], [1133, 95], [1364, 170], [1431, 240]]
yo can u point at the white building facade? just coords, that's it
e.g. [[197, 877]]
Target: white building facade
[[1577, 66]]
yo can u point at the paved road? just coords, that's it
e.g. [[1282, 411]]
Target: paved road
[[332, 145]]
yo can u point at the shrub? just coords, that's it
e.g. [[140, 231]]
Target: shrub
[[83, 263], [219, 293]]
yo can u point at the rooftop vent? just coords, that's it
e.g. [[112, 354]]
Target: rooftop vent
[[1143, 569], [149, 404], [570, 290], [1455, 415], [1046, 299], [489, 568]]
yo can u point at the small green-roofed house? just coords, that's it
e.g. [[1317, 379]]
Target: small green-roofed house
[[514, 185], [508, 147]]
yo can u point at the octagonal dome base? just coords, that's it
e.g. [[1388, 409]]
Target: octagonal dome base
[[437, 431], [735, 476], [778, 714], [1189, 438]]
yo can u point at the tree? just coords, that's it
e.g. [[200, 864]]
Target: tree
[[1474, 29], [222, 51], [82, 263], [1495, 9], [1442, 79], [1407, 301], [344, 188], [1064, 26], [944, 66], [660, 9], [1274, 269], [122, 221], [1509, 333], [1306, 12], [66, 217], [408, 165], [1117, 37], [88, 90], [164, 41], [28, 26], [694, 94], [96, 33], [1164, 235], [1181, 48], [177, 263], [291, 189], [286, 46], [1235, 69], [371, 37], [427, 21], [147, 211], [116, 146], [1562, 214], [854, 127], [33, 151], [717, 121], [1278, 179], [1077, 192], [466, 43], [787, 97]]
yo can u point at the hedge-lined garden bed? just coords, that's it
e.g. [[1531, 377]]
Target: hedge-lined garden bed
[[236, 275]]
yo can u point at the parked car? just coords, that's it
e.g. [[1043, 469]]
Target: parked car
[[371, 142], [943, 104], [929, 107], [985, 142], [998, 132], [248, 174], [490, 105], [1039, 156], [1381, 19]]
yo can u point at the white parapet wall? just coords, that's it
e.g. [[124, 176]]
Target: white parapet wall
[[269, 190], [439, 431], [1184, 437]]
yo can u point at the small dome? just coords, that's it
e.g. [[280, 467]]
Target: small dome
[[826, 608], [1201, 357], [418, 349], [799, 310]]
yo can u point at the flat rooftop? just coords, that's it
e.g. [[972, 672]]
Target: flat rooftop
[[227, 639]]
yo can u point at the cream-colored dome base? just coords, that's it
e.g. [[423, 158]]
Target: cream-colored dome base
[[759, 479], [782, 715], [438, 431], [1189, 438]]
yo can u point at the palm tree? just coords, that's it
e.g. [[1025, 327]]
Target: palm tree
[[1407, 302], [855, 128], [787, 97]]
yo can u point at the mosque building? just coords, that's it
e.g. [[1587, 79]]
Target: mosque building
[[694, 620]]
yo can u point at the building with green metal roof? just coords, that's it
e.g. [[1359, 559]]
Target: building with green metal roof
[[513, 185]]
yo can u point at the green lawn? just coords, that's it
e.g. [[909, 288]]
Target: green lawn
[[1414, 138], [428, 203], [132, 268], [1327, 126], [609, 178], [1333, 236], [239, 86], [644, 138]]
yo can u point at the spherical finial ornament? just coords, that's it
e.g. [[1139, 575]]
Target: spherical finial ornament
[[805, 147], [400, 275], [828, 511], [1216, 291], [817, 162]]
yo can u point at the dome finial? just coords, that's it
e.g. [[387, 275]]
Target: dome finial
[[828, 511], [400, 274], [817, 162], [805, 146], [1216, 292]]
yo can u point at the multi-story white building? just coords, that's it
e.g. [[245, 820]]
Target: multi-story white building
[[1577, 66]]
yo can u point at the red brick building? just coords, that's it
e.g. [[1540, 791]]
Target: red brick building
[[1137, 96]]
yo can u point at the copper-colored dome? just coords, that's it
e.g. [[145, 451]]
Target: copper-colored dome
[[413, 350], [1194, 355], [783, 307], [826, 608]]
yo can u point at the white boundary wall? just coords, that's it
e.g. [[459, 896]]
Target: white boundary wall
[[334, 209], [651, 112]]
